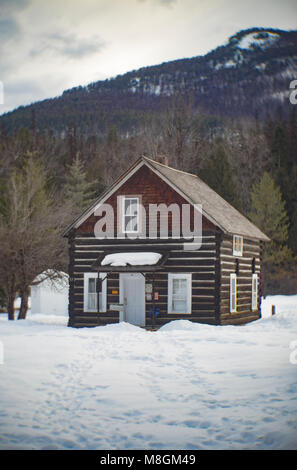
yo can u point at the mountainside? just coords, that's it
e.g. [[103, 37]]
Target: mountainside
[[248, 75]]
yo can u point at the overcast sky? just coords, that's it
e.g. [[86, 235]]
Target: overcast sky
[[47, 46]]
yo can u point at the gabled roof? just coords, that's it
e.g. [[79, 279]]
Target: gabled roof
[[215, 208], [195, 191]]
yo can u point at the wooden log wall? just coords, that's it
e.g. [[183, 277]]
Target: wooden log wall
[[71, 297], [244, 313], [203, 263], [210, 267]]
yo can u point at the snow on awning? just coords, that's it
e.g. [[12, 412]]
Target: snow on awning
[[131, 259]]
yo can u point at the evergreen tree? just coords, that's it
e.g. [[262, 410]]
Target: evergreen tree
[[283, 152], [112, 150], [77, 190], [96, 169], [269, 214], [112, 138], [219, 175]]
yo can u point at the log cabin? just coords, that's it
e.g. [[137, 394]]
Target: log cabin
[[121, 270]]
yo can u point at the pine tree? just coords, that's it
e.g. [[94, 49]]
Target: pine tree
[[219, 176], [279, 148], [269, 214], [284, 153], [77, 190]]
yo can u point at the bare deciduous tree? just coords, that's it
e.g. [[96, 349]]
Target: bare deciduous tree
[[30, 233]]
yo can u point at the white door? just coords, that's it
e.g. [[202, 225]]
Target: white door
[[132, 295]]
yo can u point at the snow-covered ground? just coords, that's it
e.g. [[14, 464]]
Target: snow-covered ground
[[187, 386]]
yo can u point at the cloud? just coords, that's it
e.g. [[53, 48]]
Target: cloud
[[8, 29], [20, 92], [13, 5], [167, 3], [69, 45], [9, 24], [22, 87]]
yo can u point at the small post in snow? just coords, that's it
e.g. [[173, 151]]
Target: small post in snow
[[273, 311]]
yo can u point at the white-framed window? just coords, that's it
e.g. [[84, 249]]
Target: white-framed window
[[179, 293], [130, 214], [255, 292], [233, 293], [237, 245], [91, 294]]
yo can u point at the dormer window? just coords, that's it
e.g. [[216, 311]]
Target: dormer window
[[237, 245], [130, 220]]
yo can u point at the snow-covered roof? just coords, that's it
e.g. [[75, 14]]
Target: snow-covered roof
[[131, 259], [52, 279]]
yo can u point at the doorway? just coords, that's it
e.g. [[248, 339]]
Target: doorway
[[132, 295]]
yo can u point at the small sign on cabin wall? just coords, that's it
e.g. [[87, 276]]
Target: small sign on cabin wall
[[116, 307], [148, 288]]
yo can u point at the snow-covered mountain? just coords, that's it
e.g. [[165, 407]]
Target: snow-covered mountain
[[249, 58], [249, 74]]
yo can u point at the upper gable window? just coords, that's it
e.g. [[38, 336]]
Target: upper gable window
[[130, 220], [237, 245]]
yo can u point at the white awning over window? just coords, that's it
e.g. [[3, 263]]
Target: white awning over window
[[131, 259]]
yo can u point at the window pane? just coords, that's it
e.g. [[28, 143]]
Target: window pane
[[92, 285], [254, 292], [91, 295], [131, 224], [131, 206], [233, 303], [179, 295], [179, 305], [180, 287], [130, 216], [92, 301], [237, 244], [232, 293], [127, 203], [233, 300]]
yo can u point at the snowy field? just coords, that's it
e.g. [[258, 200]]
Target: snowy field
[[187, 386]]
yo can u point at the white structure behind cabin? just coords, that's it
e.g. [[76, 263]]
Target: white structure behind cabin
[[50, 297]]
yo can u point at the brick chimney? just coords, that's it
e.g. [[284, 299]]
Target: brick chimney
[[162, 159]]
